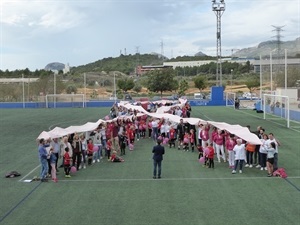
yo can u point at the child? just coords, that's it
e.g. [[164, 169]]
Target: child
[[200, 150], [67, 162], [123, 141], [206, 152], [53, 159], [186, 138], [90, 151], [210, 156], [130, 133], [115, 158], [172, 137], [270, 158]]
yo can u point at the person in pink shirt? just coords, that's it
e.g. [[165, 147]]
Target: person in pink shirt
[[219, 141], [229, 144], [204, 134], [212, 136]]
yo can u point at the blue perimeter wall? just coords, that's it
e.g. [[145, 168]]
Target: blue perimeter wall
[[19, 105]]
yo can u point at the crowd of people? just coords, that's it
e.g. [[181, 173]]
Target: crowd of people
[[112, 138]]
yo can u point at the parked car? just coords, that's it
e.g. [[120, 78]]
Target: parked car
[[127, 97], [198, 96], [112, 97]]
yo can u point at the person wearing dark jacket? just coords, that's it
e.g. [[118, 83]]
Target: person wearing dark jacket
[[158, 152]]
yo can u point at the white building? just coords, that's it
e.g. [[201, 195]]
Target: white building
[[66, 69]]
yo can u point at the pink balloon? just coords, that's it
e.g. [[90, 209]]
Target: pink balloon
[[206, 151], [73, 169], [186, 140], [166, 140], [202, 160], [131, 146]]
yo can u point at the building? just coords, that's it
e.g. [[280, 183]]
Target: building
[[265, 63], [140, 70]]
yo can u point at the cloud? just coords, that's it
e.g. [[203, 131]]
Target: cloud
[[80, 32]]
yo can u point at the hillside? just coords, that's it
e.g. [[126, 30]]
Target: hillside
[[264, 49], [124, 63], [127, 63]]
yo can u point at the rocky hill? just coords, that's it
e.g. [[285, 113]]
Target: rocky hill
[[264, 49], [55, 66]]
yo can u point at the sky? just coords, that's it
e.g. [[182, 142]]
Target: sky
[[78, 32]]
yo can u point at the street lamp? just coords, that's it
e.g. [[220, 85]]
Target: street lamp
[[218, 7]]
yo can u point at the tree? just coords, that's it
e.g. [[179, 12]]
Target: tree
[[162, 80], [200, 82], [71, 89], [183, 86], [137, 87], [252, 84], [292, 77], [125, 84]]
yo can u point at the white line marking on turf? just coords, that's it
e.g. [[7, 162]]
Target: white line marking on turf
[[173, 179], [29, 173]]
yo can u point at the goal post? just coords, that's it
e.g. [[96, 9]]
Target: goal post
[[276, 107], [230, 98], [65, 100]]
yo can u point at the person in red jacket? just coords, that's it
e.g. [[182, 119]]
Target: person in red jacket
[[130, 133], [67, 163], [210, 156], [115, 158], [172, 137], [90, 151], [192, 139]]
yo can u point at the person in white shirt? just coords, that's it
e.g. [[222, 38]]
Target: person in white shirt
[[240, 155], [277, 143], [154, 125]]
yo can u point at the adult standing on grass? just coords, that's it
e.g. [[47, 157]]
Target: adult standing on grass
[[277, 143], [239, 151], [180, 133], [55, 144], [270, 158], [158, 152], [43, 155]]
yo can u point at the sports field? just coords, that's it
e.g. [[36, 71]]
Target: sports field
[[125, 193]]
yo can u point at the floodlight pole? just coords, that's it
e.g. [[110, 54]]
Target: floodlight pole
[[218, 8], [54, 90]]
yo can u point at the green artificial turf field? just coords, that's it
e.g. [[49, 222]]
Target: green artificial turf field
[[126, 194]]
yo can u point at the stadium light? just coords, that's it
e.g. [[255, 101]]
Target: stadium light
[[218, 8]]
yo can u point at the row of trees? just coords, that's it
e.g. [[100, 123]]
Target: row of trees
[[124, 65]]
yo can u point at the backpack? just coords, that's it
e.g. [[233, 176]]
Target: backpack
[[280, 172], [12, 174]]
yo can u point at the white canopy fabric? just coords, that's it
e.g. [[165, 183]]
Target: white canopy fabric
[[237, 130]]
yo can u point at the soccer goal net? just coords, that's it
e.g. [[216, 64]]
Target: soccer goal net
[[276, 107], [65, 100], [230, 97]]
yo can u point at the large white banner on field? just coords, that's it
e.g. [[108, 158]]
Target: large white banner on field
[[242, 132]]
